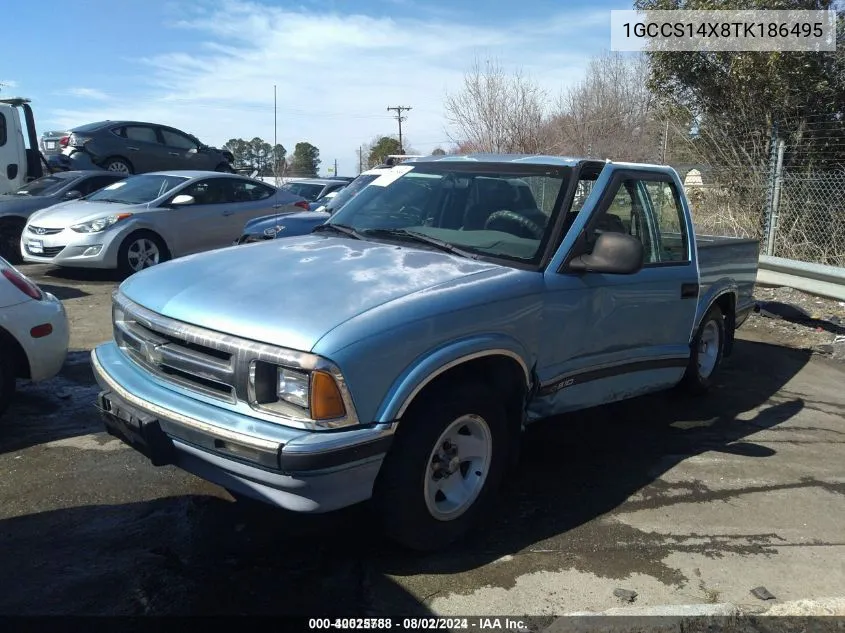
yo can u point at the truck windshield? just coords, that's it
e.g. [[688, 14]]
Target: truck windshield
[[137, 189], [349, 191], [500, 211]]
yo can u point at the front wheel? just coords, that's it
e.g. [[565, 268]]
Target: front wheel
[[119, 165], [706, 354], [139, 251], [444, 469]]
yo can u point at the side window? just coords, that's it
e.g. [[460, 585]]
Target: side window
[[141, 133], [628, 213], [245, 191], [669, 220], [211, 191], [119, 131], [3, 133], [179, 141]]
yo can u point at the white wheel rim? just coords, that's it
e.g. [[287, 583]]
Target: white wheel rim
[[142, 254], [708, 349], [118, 167], [457, 467]]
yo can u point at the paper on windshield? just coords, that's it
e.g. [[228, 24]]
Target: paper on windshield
[[113, 186], [392, 174]]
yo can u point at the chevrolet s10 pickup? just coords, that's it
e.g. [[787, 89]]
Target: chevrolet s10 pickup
[[395, 354]]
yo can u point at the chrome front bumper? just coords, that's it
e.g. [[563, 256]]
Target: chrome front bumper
[[305, 471]]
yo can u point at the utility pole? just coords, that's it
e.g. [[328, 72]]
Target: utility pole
[[399, 118], [335, 167], [275, 142], [665, 143], [360, 158]]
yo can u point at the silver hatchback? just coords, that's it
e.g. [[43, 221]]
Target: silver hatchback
[[150, 218]]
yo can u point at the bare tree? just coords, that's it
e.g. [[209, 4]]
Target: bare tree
[[609, 114], [496, 111]]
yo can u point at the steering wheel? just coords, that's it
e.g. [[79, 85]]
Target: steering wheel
[[514, 223]]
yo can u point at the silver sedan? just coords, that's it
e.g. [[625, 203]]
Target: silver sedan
[[150, 218]]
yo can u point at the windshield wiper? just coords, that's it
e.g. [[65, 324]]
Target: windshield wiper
[[420, 237], [109, 200], [339, 228]]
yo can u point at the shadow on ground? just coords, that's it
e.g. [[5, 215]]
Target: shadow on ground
[[205, 555]]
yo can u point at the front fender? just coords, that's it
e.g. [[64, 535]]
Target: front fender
[[428, 366]]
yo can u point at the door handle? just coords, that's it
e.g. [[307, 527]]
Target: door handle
[[228, 213], [279, 206], [133, 148], [173, 153], [689, 291]]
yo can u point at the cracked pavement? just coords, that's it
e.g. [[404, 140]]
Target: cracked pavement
[[683, 501]]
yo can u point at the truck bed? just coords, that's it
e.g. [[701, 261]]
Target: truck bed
[[734, 258]]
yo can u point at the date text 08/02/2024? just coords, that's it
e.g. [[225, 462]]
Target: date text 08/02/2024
[[418, 624]]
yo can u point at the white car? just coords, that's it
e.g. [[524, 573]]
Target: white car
[[33, 332]]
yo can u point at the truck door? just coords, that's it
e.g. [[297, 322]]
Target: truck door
[[609, 337], [12, 150]]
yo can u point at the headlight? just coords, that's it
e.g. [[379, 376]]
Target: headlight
[[296, 394], [100, 224]]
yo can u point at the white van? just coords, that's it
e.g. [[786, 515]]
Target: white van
[[20, 159]]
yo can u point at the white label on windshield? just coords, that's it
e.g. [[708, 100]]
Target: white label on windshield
[[113, 186], [393, 174]]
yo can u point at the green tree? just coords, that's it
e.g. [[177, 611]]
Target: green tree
[[735, 97], [240, 149], [305, 160], [438, 151], [381, 148], [257, 154]]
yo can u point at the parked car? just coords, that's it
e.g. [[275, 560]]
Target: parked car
[[321, 203], [397, 353], [150, 218], [34, 332], [53, 142], [272, 226], [17, 206], [133, 147], [313, 188]]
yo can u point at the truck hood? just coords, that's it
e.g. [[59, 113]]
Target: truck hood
[[291, 292], [66, 214]]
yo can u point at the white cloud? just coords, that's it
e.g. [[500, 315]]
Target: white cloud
[[6, 84], [335, 74], [87, 93]]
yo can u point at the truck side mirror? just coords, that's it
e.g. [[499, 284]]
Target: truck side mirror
[[73, 195], [613, 254]]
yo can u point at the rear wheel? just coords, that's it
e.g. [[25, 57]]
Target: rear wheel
[[707, 350], [119, 165], [139, 251], [10, 240], [444, 469]]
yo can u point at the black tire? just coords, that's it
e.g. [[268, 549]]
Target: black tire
[[7, 377], [124, 264], [400, 492], [118, 164], [10, 240], [698, 377], [225, 168]]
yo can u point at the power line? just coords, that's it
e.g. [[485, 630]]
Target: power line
[[399, 118]]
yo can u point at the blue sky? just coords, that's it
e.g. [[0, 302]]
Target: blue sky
[[208, 66]]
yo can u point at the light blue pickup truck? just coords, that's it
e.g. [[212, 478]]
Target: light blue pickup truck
[[396, 353]]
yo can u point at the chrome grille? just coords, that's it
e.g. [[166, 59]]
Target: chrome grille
[[155, 344], [40, 230], [212, 363]]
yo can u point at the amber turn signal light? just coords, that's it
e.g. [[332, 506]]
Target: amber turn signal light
[[326, 401]]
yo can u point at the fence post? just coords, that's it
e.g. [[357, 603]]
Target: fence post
[[773, 221], [768, 211]]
